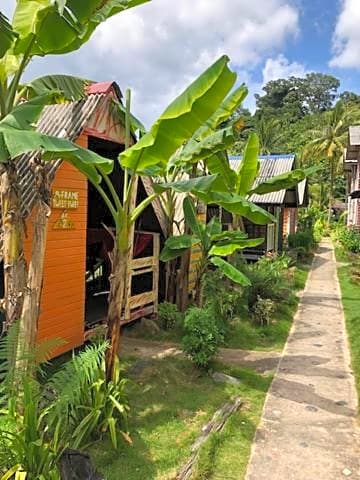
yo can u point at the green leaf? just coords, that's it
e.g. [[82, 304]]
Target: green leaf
[[228, 107], [59, 30], [177, 242], [285, 181], [196, 151], [10, 473], [25, 115], [193, 185], [230, 271], [7, 35], [19, 142], [249, 166], [239, 206], [230, 248], [213, 227], [168, 254], [219, 164], [181, 119], [71, 88], [191, 219]]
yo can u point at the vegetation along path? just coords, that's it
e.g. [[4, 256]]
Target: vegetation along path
[[309, 428]]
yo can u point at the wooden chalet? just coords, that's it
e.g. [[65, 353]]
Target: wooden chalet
[[74, 298], [283, 204], [352, 172]]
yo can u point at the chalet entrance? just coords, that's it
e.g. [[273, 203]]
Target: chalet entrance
[[143, 281]]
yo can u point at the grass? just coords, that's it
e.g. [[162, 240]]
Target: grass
[[350, 292], [170, 402], [243, 333]]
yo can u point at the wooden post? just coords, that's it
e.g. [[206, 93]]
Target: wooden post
[[156, 254]]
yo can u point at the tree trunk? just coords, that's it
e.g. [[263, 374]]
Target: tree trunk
[[118, 276], [171, 281], [13, 248], [32, 292], [183, 282], [331, 192]]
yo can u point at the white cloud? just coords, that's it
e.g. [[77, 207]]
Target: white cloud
[[280, 67], [158, 48], [346, 39]]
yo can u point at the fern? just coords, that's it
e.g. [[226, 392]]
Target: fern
[[68, 384]]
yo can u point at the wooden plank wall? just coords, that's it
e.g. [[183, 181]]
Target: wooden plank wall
[[63, 297]]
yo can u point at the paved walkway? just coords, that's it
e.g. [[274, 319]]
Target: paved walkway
[[309, 429]]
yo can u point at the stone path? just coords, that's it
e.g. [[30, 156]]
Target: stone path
[[261, 362], [309, 429]]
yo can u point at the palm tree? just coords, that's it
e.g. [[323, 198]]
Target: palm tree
[[270, 135], [329, 141]]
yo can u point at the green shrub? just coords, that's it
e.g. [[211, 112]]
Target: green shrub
[[169, 316], [262, 311], [302, 240], [268, 279], [349, 238], [202, 336], [223, 296]]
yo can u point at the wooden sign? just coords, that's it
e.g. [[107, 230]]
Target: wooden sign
[[64, 222], [65, 199]]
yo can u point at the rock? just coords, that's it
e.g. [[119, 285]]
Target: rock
[[76, 465], [149, 326], [219, 377], [347, 472]]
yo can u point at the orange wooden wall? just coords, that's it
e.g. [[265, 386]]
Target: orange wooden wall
[[63, 296]]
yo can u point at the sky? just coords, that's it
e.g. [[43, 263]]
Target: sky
[[157, 49]]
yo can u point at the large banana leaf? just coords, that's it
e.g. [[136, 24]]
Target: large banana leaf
[[230, 271], [71, 88], [226, 250], [197, 228], [285, 181], [219, 164], [15, 142], [249, 166], [192, 185], [239, 206], [176, 246], [25, 115], [196, 151], [62, 27], [228, 108], [7, 35], [181, 119]]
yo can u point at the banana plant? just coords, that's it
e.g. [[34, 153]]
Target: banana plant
[[214, 244], [174, 127], [207, 141], [38, 28]]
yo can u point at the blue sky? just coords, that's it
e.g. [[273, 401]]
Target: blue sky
[[157, 49]]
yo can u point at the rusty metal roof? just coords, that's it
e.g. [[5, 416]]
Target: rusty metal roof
[[68, 120], [64, 120], [270, 166]]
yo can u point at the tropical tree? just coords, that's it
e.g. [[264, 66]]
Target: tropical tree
[[328, 143], [211, 138], [214, 244], [38, 28], [183, 117]]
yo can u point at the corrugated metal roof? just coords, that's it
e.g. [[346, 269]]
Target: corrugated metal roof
[[64, 120], [67, 120], [270, 166], [354, 135]]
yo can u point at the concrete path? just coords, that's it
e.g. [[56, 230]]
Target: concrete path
[[309, 429]]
